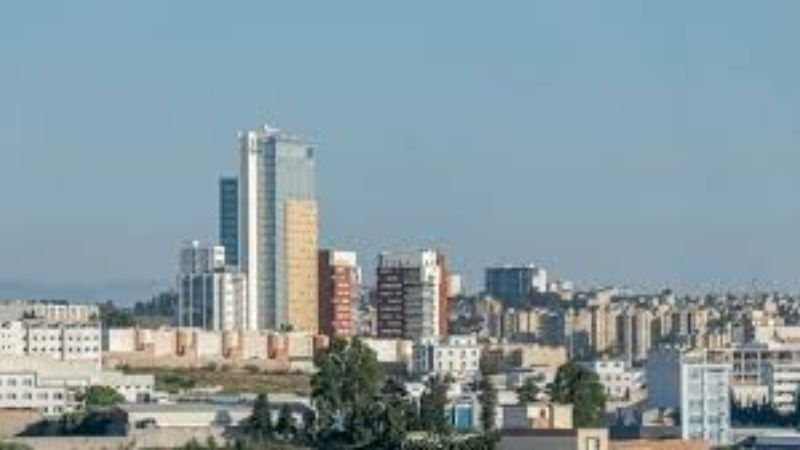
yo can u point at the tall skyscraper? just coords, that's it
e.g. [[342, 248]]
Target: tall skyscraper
[[411, 295], [211, 295], [339, 290], [229, 218], [278, 228]]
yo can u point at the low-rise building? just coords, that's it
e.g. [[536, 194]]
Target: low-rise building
[[456, 356], [53, 387], [621, 382], [67, 341], [48, 310]]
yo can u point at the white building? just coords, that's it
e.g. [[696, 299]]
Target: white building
[[67, 341], [621, 382], [457, 356], [210, 294], [699, 382], [54, 387], [49, 310]]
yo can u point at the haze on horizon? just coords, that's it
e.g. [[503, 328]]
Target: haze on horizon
[[648, 143]]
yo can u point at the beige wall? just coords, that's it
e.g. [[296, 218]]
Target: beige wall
[[300, 241], [661, 444], [585, 435]]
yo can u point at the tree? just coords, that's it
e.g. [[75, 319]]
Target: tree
[[797, 408], [529, 391], [432, 406], [397, 413], [102, 397], [260, 422], [345, 391], [488, 401], [286, 425], [580, 387], [113, 317]]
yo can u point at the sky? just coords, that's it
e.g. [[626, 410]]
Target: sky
[[650, 144]]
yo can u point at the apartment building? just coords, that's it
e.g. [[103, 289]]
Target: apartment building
[[67, 341], [339, 289], [411, 295], [698, 384], [48, 310], [456, 356], [621, 382]]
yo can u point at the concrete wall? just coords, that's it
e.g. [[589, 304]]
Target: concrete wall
[[155, 438]]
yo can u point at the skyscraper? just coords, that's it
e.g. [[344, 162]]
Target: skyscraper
[[278, 228], [412, 303], [229, 218], [211, 295], [339, 289]]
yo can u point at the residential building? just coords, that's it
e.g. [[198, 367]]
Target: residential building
[[48, 310], [515, 284], [698, 384], [620, 381], [634, 334], [66, 341], [339, 288], [278, 228], [212, 295], [410, 295], [229, 218], [456, 356], [536, 415]]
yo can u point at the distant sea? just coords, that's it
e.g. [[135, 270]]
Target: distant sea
[[122, 292]]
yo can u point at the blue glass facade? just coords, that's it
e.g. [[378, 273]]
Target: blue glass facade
[[229, 219]]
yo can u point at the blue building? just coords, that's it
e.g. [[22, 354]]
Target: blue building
[[229, 218]]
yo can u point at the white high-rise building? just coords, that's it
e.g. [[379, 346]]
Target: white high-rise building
[[697, 383], [210, 294], [278, 234]]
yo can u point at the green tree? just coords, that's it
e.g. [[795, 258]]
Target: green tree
[[260, 422], [529, 391], [102, 397], [396, 414], [580, 387], [286, 426], [345, 391], [432, 406], [113, 317], [488, 401]]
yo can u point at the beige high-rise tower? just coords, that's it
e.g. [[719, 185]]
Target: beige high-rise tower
[[278, 234]]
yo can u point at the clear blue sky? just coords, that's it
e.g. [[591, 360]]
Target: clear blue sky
[[626, 141]]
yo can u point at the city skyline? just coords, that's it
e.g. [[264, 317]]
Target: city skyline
[[649, 145]]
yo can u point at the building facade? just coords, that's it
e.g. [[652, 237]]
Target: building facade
[[515, 284], [212, 295], [64, 341], [229, 218], [278, 228], [54, 387], [410, 295], [697, 383], [456, 356], [339, 290]]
